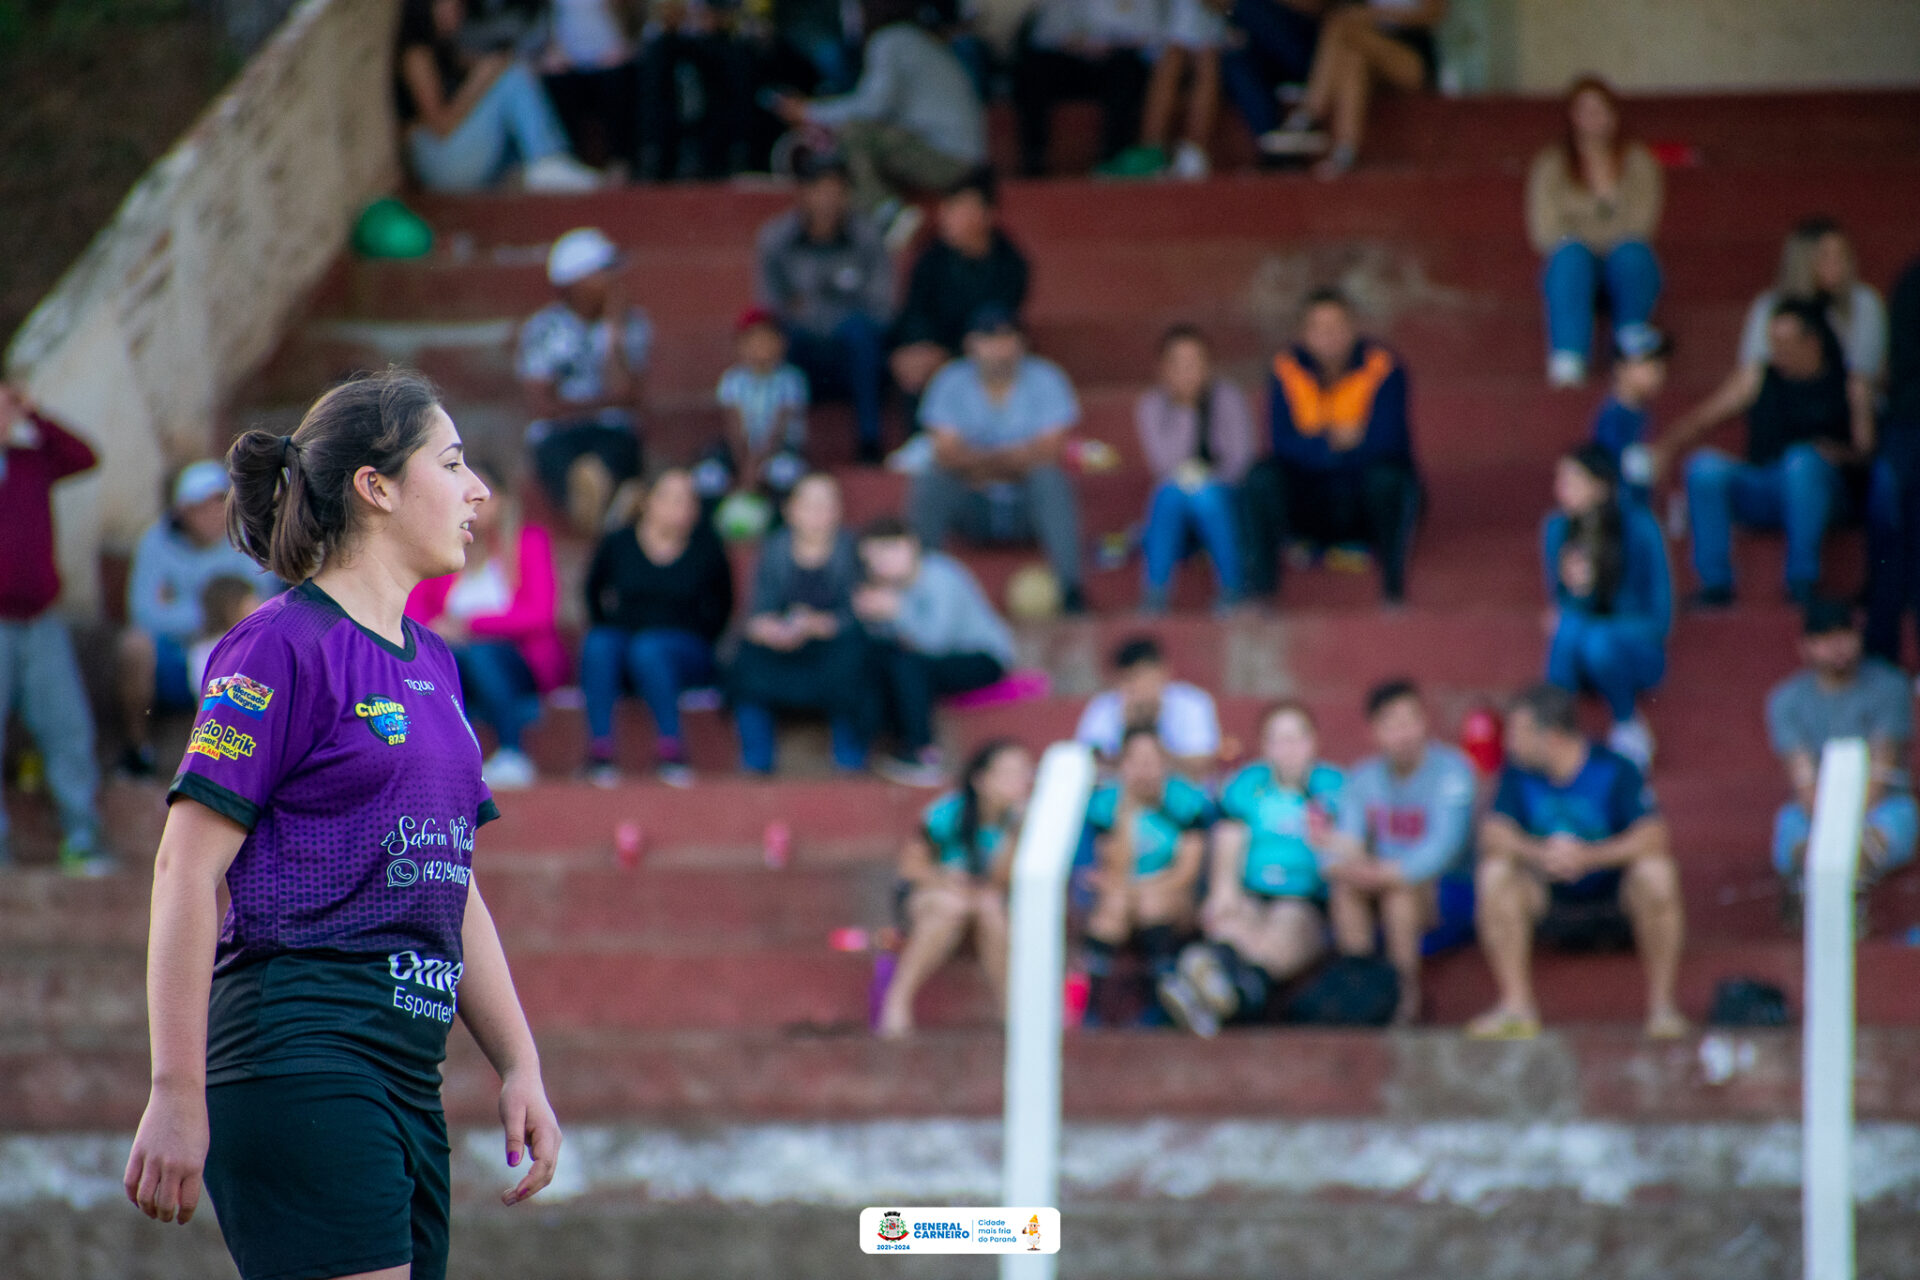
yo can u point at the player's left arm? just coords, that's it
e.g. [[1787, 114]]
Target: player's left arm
[[491, 1009]]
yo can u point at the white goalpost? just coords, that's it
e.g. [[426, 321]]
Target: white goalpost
[[1036, 967]]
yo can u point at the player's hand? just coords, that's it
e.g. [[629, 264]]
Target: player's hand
[[532, 1131], [1564, 858], [169, 1151]]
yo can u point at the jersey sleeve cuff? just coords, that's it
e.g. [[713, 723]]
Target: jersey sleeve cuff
[[237, 808], [488, 811]]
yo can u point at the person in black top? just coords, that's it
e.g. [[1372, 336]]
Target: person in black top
[[1893, 509], [658, 595], [971, 265], [1800, 434]]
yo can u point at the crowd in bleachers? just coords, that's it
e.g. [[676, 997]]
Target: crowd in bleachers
[[1222, 881]]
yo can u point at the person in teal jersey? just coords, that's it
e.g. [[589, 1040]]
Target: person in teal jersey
[[1262, 917], [956, 868], [1150, 832]]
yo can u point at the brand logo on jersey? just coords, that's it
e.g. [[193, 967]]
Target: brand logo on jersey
[[220, 742], [387, 718], [419, 686], [243, 693], [441, 976]]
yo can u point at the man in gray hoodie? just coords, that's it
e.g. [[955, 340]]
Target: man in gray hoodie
[[932, 634]]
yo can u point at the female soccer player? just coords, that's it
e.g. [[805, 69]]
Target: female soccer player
[[333, 781]]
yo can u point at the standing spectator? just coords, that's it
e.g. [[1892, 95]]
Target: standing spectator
[[1894, 515], [1839, 694], [764, 399], [1342, 465], [1271, 45], [913, 123], [694, 43], [1593, 205], [1611, 594], [1145, 695], [1800, 433], [1816, 269], [1576, 851], [591, 74], [39, 679], [801, 648], [825, 274], [1196, 433], [658, 597], [1150, 841], [1623, 423], [1262, 916], [1390, 41], [497, 615], [467, 117], [971, 264], [955, 869], [1188, 59], [176, 558], [582, 367], [1408, 821], [998, 420], [1083, 49], [933, 634]]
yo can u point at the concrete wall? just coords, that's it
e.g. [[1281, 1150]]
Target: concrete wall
[[190, 285]]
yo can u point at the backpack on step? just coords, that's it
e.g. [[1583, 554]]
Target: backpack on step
[[1347, 991]]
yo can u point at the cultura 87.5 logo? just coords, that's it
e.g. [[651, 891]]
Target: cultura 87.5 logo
[[387, 719]]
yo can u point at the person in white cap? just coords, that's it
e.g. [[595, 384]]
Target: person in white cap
[[175, 560], [582, 365]]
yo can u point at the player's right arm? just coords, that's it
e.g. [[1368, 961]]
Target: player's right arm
[[170, 1148]]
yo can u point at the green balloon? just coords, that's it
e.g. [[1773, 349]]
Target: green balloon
[[388, 229]]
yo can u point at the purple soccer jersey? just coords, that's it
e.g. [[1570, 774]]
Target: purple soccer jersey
[[353, 767]]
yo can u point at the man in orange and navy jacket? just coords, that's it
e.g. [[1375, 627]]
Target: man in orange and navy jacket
[[1342, 466]]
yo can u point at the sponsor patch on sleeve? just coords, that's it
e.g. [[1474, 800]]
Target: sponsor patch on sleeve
[[243, 693]]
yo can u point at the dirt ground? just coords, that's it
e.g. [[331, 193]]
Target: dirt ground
[[95, 92]]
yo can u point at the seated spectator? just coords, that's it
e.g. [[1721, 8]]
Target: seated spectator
[[591, 72], [1145, 695], [1593, 205], [469, 117], [764, 399], [39, 678], [1384, 41], [1150, 842], [1188, 61], [955, 870], [1083, 49], [825, 274], [971, 264], [176, 558], [693, 42], [1623, 423], [1576, 854], [1839, 694], [1342, 465], [1408, 825], [932, 634], [912, 124], [659, 595], [801, 648], [498, 617], [1893, 520], [1270, 45], [1611, 594], [1816, 268], [224, 603], [1799, 436], [1262, 917], [1196, 434], [998, 419], [582, 366]]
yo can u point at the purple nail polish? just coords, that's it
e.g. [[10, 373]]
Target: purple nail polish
[[513, 1159]]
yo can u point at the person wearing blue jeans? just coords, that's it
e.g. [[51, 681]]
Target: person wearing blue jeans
[[499, 688], [849, 360], [1892, 829], [1210, 511], [40, 681], [659, 663], [1797, 494], [1575, 275]]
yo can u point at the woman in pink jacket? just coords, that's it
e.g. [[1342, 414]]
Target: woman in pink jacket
[[498, 617]]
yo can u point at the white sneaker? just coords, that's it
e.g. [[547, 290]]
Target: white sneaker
[[1190, 162], [559, 173], [509, 770], [1294, 142], [1566, 369], [915, 457], [1634, 740]]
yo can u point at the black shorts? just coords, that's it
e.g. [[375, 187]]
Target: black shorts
[[323, 1175], [1586, 916]]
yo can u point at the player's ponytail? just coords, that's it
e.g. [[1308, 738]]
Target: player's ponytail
[[289, 507]]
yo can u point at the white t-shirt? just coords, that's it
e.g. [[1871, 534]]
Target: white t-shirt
[[1859, 321], [588, 35], [481, 594], [1189, 724]]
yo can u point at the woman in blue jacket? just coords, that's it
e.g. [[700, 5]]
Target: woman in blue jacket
[[1606, 570]]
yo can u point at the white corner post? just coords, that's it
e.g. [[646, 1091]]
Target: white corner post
[[1036, 968], [1833, 855]]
